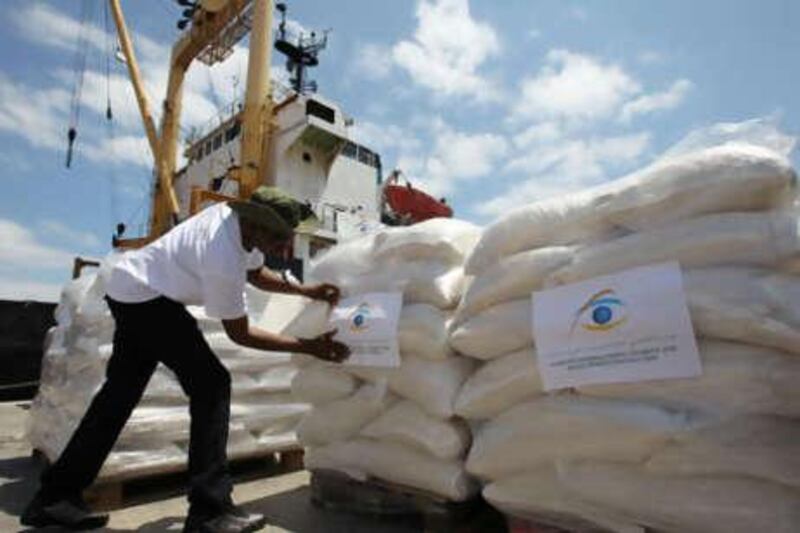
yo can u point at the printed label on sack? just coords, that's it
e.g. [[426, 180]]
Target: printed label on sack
[[629, 326], [368, 325]]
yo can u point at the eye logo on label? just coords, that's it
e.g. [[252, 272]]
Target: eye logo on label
[[358, 320], [602, 312]]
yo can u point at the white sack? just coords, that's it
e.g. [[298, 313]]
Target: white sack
[[406, 423], [354, 267], [685, 504], [731, 177], [433, 385], [444, 239], [495, 331], [342, 419], [539, 495], [319, 384], [737, 379], [571, 427], [362, 458], [511, 278], [499, 385], [748, 305], [743, 239], [422, 330], [762, 447]]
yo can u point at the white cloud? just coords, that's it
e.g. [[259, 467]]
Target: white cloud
[[650, 57], [19, 247], [565, 166], [122, 150], [373, 61], [40, 23], [574, 87], [61, 230], [649, 103], [38, 116], [16, 289], [448, 48], [534, 33], [538, 133], [385, 137], [456, 157]]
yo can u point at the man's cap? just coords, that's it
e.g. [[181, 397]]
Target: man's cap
[[273, 210]]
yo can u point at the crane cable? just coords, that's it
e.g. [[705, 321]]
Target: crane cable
[[81, 52], [110, 53]]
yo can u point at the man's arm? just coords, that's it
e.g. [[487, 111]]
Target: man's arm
[[266, 280], [323, 347]]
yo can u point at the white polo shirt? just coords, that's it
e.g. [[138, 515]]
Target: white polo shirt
[[199, 262]]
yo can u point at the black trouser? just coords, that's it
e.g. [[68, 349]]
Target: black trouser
[[159, 330]]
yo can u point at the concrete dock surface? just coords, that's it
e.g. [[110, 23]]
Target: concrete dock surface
[[283, 498]]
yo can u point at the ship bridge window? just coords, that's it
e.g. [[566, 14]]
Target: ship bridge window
[[350, 150], [367, 156], [233, 132], [361, 154], [208, 147], [318, 110], [217, 141]]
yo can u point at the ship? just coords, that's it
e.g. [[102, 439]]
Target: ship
[[285, 134]]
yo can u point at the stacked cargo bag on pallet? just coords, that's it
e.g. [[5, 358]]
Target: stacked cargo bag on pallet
[[264, 414], [711, 453], [397, 424]]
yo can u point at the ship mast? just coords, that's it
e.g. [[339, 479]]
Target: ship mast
[[215, 27]]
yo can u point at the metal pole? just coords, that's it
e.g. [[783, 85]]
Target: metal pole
[[136, 78], [258, 100]]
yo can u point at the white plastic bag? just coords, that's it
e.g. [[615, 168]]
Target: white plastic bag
[[362, 458], [496, 331], [737, 379], [443, 239], [729, 239], [730, 177], [319, 384], [511, 278], [342, 419], [541, 496], [749, 305], [499, 385], [422, 331], [406, 423], [537, 432], [685, 504], [433, 385], [758, 446]]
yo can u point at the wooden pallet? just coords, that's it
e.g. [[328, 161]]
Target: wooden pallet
[[541, 524], [337, 492], [144, 486]]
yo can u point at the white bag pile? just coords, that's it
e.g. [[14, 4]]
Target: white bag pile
[[712, 453], [395, 424], [264, 414]]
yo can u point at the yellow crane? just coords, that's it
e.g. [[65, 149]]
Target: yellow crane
[[214, 27]]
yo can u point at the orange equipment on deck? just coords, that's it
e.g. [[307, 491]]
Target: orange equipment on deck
[[411, 205]]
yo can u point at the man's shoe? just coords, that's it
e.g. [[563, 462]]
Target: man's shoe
[[232, 520], [64, 513]]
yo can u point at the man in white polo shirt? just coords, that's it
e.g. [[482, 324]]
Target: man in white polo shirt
[[206, 261]]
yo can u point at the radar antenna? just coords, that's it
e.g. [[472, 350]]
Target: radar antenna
[[301, 55]]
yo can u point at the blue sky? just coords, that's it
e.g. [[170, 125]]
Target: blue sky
[[488, 103]]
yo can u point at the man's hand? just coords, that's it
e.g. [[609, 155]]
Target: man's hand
[[325, 348], [324, 291]]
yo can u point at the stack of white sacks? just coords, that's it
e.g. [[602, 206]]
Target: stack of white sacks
[[264, 414], [713, 453], [394, 424]]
